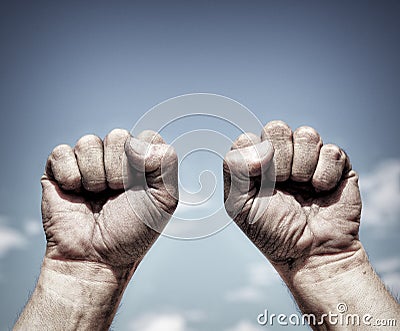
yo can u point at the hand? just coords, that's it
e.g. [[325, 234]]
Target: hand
[[87, 214], [307, 226], [98, 200], [314, 211]]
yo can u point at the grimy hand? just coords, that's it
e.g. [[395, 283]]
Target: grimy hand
[[87, 214], [104, 204], [315, 209], [307, 226]]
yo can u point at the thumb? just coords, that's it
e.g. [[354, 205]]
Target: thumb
[[247, 172], [249, 161], [145, 152], [157, 162]]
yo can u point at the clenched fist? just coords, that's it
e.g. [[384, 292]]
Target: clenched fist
[[315, 208], [87, 214], [307, 224], [104, 204]]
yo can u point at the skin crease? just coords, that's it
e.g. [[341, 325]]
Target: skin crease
[[96, 238], [308, 228], [95, 223]]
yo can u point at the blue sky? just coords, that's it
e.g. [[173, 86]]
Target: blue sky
[[72, 68]]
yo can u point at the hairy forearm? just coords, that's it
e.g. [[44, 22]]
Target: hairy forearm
[[74, 295], [342, 293]]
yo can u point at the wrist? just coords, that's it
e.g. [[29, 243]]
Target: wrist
[[74, 295], [342, 285], [325, 281], [85, 283], [323, 267], [88, 272]]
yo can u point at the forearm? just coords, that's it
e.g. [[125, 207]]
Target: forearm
[[74, 296], [343, 293]]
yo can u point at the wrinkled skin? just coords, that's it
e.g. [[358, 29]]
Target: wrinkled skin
[[104, 203], [87, 214], [314, 211]]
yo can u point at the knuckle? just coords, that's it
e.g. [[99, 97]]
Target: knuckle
[[88, 141], [354, 175], [157, 156], [280, 136], [116, 135], [244, 140], [172, 153], [90, 160], [277, 129], [332, 152], [168, 153], [306, 150], [60, 151], [308, 134], [71, 183], [151, 136]]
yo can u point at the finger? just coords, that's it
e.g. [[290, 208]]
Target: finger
[[280, 136], [306, 146], [329, 170], [62, 166], [245, 139], [114, 154], [347, 166], [151, 136], [89, 154]]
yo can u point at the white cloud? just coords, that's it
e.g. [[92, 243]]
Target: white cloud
[[389, 269], [262, 274], [388, 265], [246, 326], [392, 281], [244, 294], [259, 275], [33, 227], [195, 315], [157, 322], [171, 320], [10, 239], [380, 190], [195, 207]]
